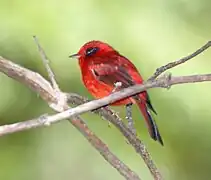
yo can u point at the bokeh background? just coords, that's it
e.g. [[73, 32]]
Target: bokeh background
[[151, 33]]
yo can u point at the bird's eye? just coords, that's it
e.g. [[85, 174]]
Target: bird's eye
[[92, 50]]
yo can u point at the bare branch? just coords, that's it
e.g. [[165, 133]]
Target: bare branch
[[46, 64], [170, 65], [127, 92], [29, 78], [60, 96]]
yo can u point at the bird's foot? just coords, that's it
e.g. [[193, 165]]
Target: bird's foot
[[117, 85]]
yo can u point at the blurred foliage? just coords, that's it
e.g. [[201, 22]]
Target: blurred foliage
[[151, 33]]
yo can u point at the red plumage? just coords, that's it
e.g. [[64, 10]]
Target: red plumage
[[102, 66]]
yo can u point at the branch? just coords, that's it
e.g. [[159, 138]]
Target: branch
[[47, 67], [95, 104], [162, 82], [170, 65], [29, 78]]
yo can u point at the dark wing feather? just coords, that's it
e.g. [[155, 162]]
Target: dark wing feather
[[110, 74]]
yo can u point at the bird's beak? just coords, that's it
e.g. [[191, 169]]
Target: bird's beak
[[75, 56]]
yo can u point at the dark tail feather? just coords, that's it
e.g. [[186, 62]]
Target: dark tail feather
[[151, 124]]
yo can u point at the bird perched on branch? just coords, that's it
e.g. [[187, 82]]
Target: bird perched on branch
[[104, 70]]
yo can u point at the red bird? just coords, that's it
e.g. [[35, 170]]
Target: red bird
[[102, 67]]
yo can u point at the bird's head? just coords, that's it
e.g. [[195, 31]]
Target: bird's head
[[91, 50]]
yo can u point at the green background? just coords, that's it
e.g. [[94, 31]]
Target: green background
[[151, 33]]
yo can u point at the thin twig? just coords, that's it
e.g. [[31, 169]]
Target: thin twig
[[170, 65], [45, 60], [127, 92], [60, 104]]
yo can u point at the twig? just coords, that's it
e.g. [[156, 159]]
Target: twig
[[46, 64], [59, 95], [90, 136], [170, 65], [127, 92]]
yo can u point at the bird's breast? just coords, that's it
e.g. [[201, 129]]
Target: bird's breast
[[97, 88]]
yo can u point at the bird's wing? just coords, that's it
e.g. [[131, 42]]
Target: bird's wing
[[110, 74]]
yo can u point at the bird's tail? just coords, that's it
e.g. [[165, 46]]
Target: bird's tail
[[151, 124]]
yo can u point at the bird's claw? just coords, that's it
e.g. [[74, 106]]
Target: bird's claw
[[116, 86]]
